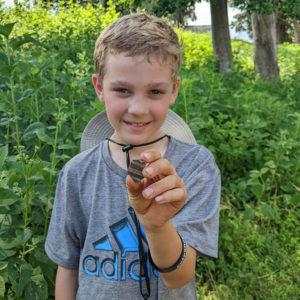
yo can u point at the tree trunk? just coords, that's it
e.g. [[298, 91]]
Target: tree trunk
[[281, 29], [296, 24], [221, 36], [265, 48]]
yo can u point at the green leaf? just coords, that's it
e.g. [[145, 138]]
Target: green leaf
[[38, 129], [264, 170], [22, 237], [249, 213], [37, 289], [7, 29], [3, 155], [257, 190], [23, 66], [2, 286], [83, 81], [295, 199], [267, 211], [25, 277], [19, 41], [7, 197], [6, 70], [4, 105], [6, 253], [28, 93], [3, 60], [3, 265], [70, 145], [13, 275]]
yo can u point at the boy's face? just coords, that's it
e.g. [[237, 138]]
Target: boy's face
[[137, 94]]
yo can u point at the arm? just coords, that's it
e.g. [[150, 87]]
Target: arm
[[165, 247], [66, 284], [155, 210]]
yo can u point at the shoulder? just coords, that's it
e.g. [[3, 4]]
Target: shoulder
[[186, 157], [83, 161]]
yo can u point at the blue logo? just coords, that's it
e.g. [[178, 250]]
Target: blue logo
[[118, 267]]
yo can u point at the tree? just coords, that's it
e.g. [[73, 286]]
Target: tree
[[291, 10], [179, 10], [283, 28], [265, 47], [221, 35], [266, 15], [263, 19], [242, 22], [296, 24]]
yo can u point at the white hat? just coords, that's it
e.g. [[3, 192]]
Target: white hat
[[99, 128]]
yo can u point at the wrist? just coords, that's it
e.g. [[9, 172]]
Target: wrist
[[176, 265], [157, 229]]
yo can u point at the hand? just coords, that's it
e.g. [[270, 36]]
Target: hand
[[160, 195]]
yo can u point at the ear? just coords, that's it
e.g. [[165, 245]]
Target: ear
[[175, 91], [98, 87]]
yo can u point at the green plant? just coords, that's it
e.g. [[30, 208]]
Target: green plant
[[252, 128], [42, 116]]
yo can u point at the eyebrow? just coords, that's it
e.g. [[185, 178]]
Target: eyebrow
[[151, 85]]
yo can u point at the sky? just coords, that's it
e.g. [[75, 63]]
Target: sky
[[202, 11]]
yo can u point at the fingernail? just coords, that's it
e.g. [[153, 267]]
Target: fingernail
[[159, 198], [147, 155], [149, 170], [147, 192]]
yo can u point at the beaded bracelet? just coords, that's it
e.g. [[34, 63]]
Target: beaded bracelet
[[177, 263]]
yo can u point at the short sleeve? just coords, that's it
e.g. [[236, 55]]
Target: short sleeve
[[62, 243], [198, 220]]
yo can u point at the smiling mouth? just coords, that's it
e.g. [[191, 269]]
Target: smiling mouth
[[137, 124]]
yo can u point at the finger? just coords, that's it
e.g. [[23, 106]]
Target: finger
[[168, 183], [159, 167], [178, 195], [134, 188], [150, 155]]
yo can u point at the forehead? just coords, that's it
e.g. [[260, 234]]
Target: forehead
[[124, 65], [151, 58]]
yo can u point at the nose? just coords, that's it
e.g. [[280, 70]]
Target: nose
[[138, 105]]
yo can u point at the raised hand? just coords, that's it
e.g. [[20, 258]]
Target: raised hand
[[160, 195]]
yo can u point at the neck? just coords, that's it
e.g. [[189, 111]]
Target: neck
[[120, 157]]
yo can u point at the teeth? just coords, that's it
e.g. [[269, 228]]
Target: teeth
[[138, 124]]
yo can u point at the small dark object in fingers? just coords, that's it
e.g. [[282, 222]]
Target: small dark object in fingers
[[135, 170]]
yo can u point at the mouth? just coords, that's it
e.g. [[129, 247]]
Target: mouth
[[137, 124]]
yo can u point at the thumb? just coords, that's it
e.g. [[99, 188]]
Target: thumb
[[134, 188]]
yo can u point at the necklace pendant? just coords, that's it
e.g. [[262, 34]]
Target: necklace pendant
[[135, 170]]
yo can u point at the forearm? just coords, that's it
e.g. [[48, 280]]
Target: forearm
[[66, 284], [165, 247]]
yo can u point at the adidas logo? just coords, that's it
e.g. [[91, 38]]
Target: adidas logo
[[118, 267]]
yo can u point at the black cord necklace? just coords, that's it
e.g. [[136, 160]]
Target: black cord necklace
[[127, 148], [143, 255]]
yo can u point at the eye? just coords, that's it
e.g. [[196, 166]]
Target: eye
[[121, 90], [156, 92]]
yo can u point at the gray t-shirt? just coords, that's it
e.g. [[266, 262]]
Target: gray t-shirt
[[92, 226]]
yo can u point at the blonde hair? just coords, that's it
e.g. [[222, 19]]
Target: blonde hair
[[138, 34]]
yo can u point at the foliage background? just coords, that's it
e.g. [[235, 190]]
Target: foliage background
[[252, 127]]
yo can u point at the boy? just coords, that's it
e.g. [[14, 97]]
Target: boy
[[112, 237]]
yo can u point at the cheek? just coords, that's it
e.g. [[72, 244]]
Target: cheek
[[115, 108], [160, 110]]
